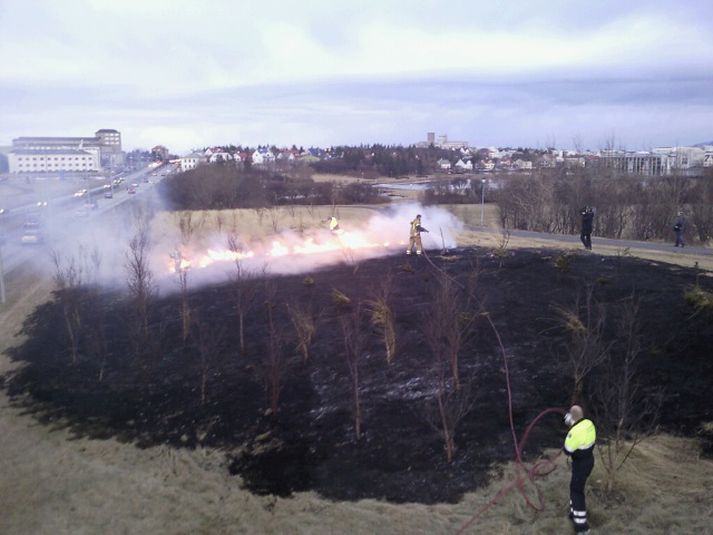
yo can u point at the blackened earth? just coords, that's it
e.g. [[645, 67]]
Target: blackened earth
[[151, 395]]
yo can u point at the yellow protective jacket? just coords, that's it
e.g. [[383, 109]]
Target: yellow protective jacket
[[580, 439], [415, 228]]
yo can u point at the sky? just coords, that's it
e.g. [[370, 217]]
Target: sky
[[188, 74]]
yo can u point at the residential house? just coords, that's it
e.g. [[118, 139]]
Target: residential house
[[191, 161], [462, 166], [443, 164], [220, 156]]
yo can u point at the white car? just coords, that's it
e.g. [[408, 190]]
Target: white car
[[80, 193]]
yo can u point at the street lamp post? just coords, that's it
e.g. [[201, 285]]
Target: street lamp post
[[2, 269], [482, 201]]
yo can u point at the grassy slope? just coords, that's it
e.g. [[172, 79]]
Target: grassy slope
[[52, 484]]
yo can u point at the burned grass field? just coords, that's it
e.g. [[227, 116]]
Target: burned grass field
[[377, 380]]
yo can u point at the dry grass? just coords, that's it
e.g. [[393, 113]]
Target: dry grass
[[253, 225], [491, 238], [700, 299], [339, 298]]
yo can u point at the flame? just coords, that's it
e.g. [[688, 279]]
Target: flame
[[339, 241]]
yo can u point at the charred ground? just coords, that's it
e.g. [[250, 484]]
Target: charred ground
[[151, 394]]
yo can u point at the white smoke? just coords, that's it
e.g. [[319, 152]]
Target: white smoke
[[106, 240], [384, 233]]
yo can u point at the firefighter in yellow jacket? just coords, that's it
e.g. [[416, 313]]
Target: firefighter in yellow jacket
[[415, 236], [579, 445]]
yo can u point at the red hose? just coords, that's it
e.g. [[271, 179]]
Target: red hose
[[542, 467]]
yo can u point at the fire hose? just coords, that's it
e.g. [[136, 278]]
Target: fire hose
[[542, 467]]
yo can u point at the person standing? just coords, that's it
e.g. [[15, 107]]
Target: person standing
[[414, 240], [333, 223], [679, 227], [579, 445], [587, 225]]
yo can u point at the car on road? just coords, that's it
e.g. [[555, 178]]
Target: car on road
[[80, 193], [31, 232], [109, 194], [131, 190]]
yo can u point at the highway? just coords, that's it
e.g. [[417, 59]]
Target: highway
[[61, 221]]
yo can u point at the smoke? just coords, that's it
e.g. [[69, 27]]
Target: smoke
[[99, 243], [386, 232]]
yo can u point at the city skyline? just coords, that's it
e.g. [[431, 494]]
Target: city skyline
[[188, 75]]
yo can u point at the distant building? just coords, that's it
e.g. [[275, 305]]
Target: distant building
[[110, 143], [660, 161], [441, 142], [53, 160], [159, 152], [464, 166], [191, 161], [221, 156], [443, 164], [55, 153]]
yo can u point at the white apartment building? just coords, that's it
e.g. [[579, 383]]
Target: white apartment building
[[53, 160], [657, 162], [104, 148], [191, 161]]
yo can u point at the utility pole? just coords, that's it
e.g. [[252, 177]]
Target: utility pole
[[2, 274], [482, 201]]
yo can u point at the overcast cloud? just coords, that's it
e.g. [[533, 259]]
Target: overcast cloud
[[188, 74]]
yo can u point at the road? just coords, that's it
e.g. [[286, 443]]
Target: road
[[64, 218], [609, 242]]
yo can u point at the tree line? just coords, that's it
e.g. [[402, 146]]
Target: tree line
[[216, 187], [626, 207]]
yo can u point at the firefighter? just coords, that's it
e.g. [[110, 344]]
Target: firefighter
[[579, 445], [415, 236], [333, 223]]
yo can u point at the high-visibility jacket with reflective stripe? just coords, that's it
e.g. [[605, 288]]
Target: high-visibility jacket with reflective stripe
[[580, 439]]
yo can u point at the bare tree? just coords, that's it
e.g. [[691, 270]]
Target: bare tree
[[274, 366], [181, 268], [382, 316], [274, 213], [68, 280], [244, 292], [208, 340], [96, 338], [447, 407], [625, 412], [140, 281], [449, 324], [353, 335], [219, 220], [187, 226], [586, 348]]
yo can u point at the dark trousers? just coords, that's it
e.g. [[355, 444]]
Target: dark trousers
[[581, 468], [679, 238], [586, 238]]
